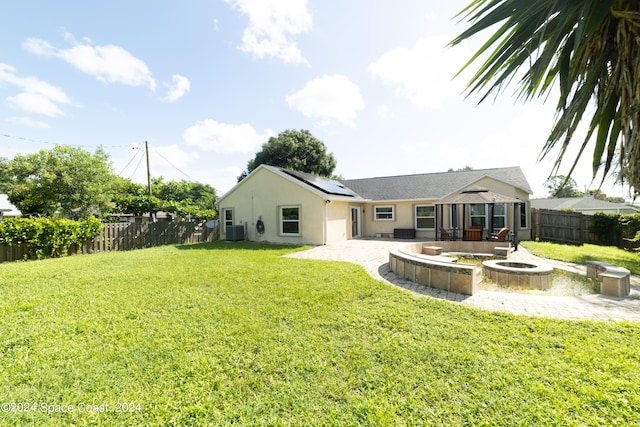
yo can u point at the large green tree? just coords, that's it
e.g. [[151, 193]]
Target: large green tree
[[199, 195], [586, 50], [63, 181], [296, 150], [185, 199], [560, 186]]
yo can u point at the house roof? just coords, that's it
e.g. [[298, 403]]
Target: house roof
[[327, 186], [7, 208], [582, 204], [323, 187], [428, 186], [434, 186]]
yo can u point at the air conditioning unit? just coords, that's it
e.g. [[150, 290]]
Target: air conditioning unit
[[235, 233]]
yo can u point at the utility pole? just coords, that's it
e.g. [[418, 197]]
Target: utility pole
[[146, 149], [152, 215]]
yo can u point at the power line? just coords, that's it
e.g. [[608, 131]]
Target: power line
[[132, 158], [38, 141], [175, 167], [21, 138], [137, 166]]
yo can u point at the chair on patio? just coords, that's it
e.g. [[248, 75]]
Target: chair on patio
[[444, 234], [500, 236]]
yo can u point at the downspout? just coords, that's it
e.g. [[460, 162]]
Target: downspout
[[253, 220], [325, 223]]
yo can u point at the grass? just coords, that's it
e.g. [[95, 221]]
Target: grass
[[236, 334], [581, 254]]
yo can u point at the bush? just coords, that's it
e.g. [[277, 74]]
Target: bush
[[605, 226], [45, 237]]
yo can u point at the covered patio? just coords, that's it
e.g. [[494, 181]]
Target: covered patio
[[474, 211]]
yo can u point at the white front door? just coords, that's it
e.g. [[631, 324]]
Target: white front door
[[355, 222]]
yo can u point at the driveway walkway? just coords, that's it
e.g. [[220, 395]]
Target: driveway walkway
[[373, 255]]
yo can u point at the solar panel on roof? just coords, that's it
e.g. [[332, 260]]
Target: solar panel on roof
[[328, 186]]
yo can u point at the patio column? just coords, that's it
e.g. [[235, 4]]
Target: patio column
[[454, 221], [490, 227], [464, 219], [516, 223]]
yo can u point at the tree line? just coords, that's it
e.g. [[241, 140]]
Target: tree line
[[69, 182]]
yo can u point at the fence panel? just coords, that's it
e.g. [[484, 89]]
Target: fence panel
[[574, 228], [128, 236], [557, 226]]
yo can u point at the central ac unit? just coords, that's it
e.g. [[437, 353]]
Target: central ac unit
[[235, 233]]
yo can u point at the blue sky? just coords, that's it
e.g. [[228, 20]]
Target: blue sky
[[207, 82]]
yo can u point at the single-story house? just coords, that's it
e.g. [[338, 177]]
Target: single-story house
[[284, 206], [8, 209], [585, 205]]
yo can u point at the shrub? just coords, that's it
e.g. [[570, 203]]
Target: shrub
[[45, 237], [605, 226]]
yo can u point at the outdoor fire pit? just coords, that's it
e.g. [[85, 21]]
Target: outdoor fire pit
[[519, 274]]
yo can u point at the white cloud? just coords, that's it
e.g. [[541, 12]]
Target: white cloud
[[179, 86], [225, 138], [272, 23], [28, 122], [328, 98], [35, 103], [384, 112], [109, 63], [423, 73], [37, 96]]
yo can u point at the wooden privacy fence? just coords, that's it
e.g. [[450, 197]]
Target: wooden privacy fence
[[139, 235], [128, 236], [574, 228], [557, 226]]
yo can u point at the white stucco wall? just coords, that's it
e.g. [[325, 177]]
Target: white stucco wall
[[261, 195]]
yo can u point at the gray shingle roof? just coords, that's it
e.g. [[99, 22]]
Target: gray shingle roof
[[431, 185], [578, 203]]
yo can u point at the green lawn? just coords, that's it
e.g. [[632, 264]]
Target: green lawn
[[581, 254], [235, 334]]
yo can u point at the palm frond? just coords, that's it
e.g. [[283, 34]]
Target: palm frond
[[588, 49]]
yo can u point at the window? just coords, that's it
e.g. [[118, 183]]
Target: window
[[383, 213], [523, 215], [227, 217], [478, 214], [499, 216], [290, 220], [425, 217]]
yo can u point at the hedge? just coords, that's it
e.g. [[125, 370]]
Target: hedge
[[47, 237]]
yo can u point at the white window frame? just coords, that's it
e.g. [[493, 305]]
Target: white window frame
[[524, 211], [483, 216], [283, 220], [416, 217], [377, 215], [226, 222], [503, 216]]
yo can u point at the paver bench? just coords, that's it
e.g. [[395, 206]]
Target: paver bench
[[432, 250], [615, 281], [502, 251], [436, 271]]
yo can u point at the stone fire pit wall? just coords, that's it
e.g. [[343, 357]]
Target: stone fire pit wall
[[408, 262]]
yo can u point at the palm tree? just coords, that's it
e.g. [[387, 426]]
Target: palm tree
[[589, 49]]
